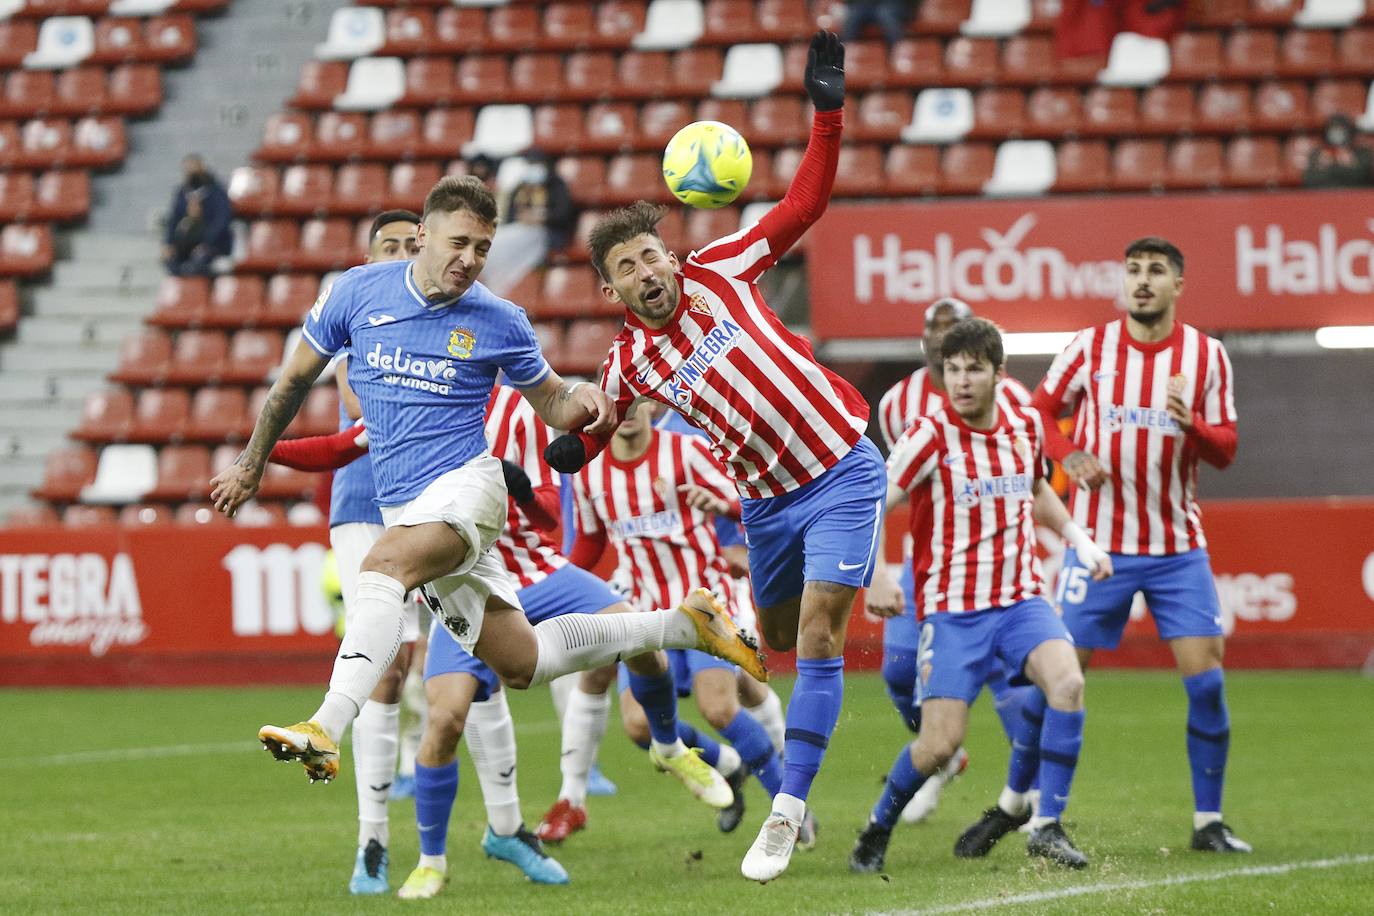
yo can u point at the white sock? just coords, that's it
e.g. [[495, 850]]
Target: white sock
[[438, 863], [560, 688], [729, 762], [374, 766], [410, 738], [669, 750], [1013, 803], [1037, 822], [789, 806], [584, 725], [490, 736], [367, 650], [576, 642], [770, 715], [1203, 818]]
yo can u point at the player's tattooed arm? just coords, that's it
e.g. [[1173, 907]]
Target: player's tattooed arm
[[572, 406]]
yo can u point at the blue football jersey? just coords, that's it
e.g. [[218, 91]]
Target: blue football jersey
[[422, 370], [353, 495]]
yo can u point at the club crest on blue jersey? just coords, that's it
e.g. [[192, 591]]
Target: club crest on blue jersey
[[460, 343]]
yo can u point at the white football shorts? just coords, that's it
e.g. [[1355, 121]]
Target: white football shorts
[[351, 542]]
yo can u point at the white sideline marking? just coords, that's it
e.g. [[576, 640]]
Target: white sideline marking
[[1085, 889]]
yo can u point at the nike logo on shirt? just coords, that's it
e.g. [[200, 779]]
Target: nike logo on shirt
[[950, 459]]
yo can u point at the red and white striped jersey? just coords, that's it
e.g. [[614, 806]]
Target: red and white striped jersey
[[515, 433], [776, 417], [980, 487], [915, 396], [665, 548], [1119, 390]]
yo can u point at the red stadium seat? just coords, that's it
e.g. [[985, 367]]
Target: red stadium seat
[[1250, 54], [19, 37], [569, 292], [941, 17], [98, 142], [359, 189], [459, 31], [1223, 108], [432, 80], [1195, 163], [134, 89], [289, 137], [444, 132], [1169, 108], [585, 177], [728, 111], [611, 127], [1194, 55], [393, 135], [1293, 159], [409, 184], [1252, 162], [912, 170], [882, 115], [1218, 13], [534, 78], [169, 38], [236, 300], [16, 196], [1307, 53], [321, 81], [997, 114], [695, 70], [25, 250], [1270, 12], [778, 120], [1281, 107], [966, 167], [559, 127], [340, 136], [1347, 97], [251, 356], [218, 414], [1081, 165], [181, 303], [971, 61], [279, 482], [253, 190], [1079, 70], [588, 76], [106, 416], [409, 32], [705, 226], [289, 297], [145, 357], [319, 415], [305, 190], [658, 121], [1138, 165], [1053, 112], [160, 415], [65, 472], [271, 244], [525, 293], [642, 74], [28, 94], [1354, 51], [80, 91], [783, 20], [513, 28], [136, 515], [618, 22], [62, 196], [482, 79], [865, 65], [1109, 112], [567, 26], [915, 63], [81, 516], [587, 344], [632, 177], [9, 305], [730, 22], [550, 337], [1028, 60], [327, 244], [32, 516], [9, 144], [198, 357], [199, 514], [860, 172]]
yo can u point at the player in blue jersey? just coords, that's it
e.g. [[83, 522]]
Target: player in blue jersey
[[426, 343]]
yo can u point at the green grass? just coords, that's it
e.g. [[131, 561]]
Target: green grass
[[226, 830]]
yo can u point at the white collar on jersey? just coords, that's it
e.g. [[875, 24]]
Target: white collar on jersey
[[425, 303]]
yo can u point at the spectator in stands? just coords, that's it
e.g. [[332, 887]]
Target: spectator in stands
[[198, 225], [1338, 162], [888, 15], [484, 167], [539, 217]]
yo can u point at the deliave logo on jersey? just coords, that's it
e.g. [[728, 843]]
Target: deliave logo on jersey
[[1004, 486], [720, 340], [1115, 418], [73, 599], [423, 374]]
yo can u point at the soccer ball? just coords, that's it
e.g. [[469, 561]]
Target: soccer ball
[[707, 164]]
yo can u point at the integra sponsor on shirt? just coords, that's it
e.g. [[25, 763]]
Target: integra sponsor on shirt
[[657, 523], [1003, 486], [720, 340], [412, 371], [1115, 417]]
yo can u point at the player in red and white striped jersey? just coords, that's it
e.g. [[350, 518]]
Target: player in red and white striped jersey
[[653, 494], [1151, 396], [699, 337], [978, 463]]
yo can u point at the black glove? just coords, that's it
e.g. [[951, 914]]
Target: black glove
[[566, 454], [517, 481], [824, 78]]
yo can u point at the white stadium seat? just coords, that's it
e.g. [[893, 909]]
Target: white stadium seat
[[63, 41], [140, 7], [123, 474], [9, 7], [1022, 167], [354, 31], [750, 71], [671, 24], [501, 130], [997, 18], [1366, 121], [374, 83], [1329, 14], [940, 116], [1135, 60], [754, 212]]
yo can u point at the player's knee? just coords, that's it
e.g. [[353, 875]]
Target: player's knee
[[935, 750], [1067, 691], [443, 727], [718, 711], [779, 639], [598, 680], [516, 678]]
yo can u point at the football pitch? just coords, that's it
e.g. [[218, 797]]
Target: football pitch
[[160, 801]]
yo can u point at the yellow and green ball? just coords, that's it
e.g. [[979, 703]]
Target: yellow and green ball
[[707, 164]]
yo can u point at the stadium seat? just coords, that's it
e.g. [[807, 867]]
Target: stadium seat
[[1272, 13], [32, 516], [1223, 108], [198, 357], [181, 303], [18, 38], [941, 17], [340, 136], [1253, 162], [752, 70], [433, 81], [255, 514], [1053, 112], [28, 94], [169, 39], [671, 24], [144, 358], [10, 145], [80, 516], [912, 171], [702, 227], [1249, 54], [279, 482], [882, 115], [1138, 165], [997, 18], [783, 20], [611, 127], [289, 297], [1194, 163], [65, 472], [321, 81], [1294, 156], [217, 415], [1281, 107], [1135, 60], [62, 196], [501, 131], [865, 66], [373, 83], [409, 32], [1022, 167], [16, 196], [25, 250], [236, 300], [392, 135], [359, 189], [998, 113], [658, 121], [569, 292], [1329, 14], [1342, 96], [409, 183], [695, 71], [253, 190], [588, 342], [446, 131], [160, 415], [123, 473], [643, 74], [79, 91], [860, 172], [567, 26], [458, 31], [199, 514], [305, 190], [1027, 60], [134, 89], [1354, 51], [1195, 55], [536, 78], [915, 63], [319, 415], [966, 167], [588, 76], [632, 177], [971, 62], [940, 116], [354, 31], [63, 41], [98, 142], [585, 177], [271, 244], [1169, 108], [9, 305], [1081, 165], [778, 120], [1307, 54], [288, 137], [513, 28], [729, 22], [326, 244], [618, 22], [136, 515], [1109, 112], [730, 111]]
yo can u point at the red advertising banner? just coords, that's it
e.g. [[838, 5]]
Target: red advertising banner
[[1253, 261], [243, 605]]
